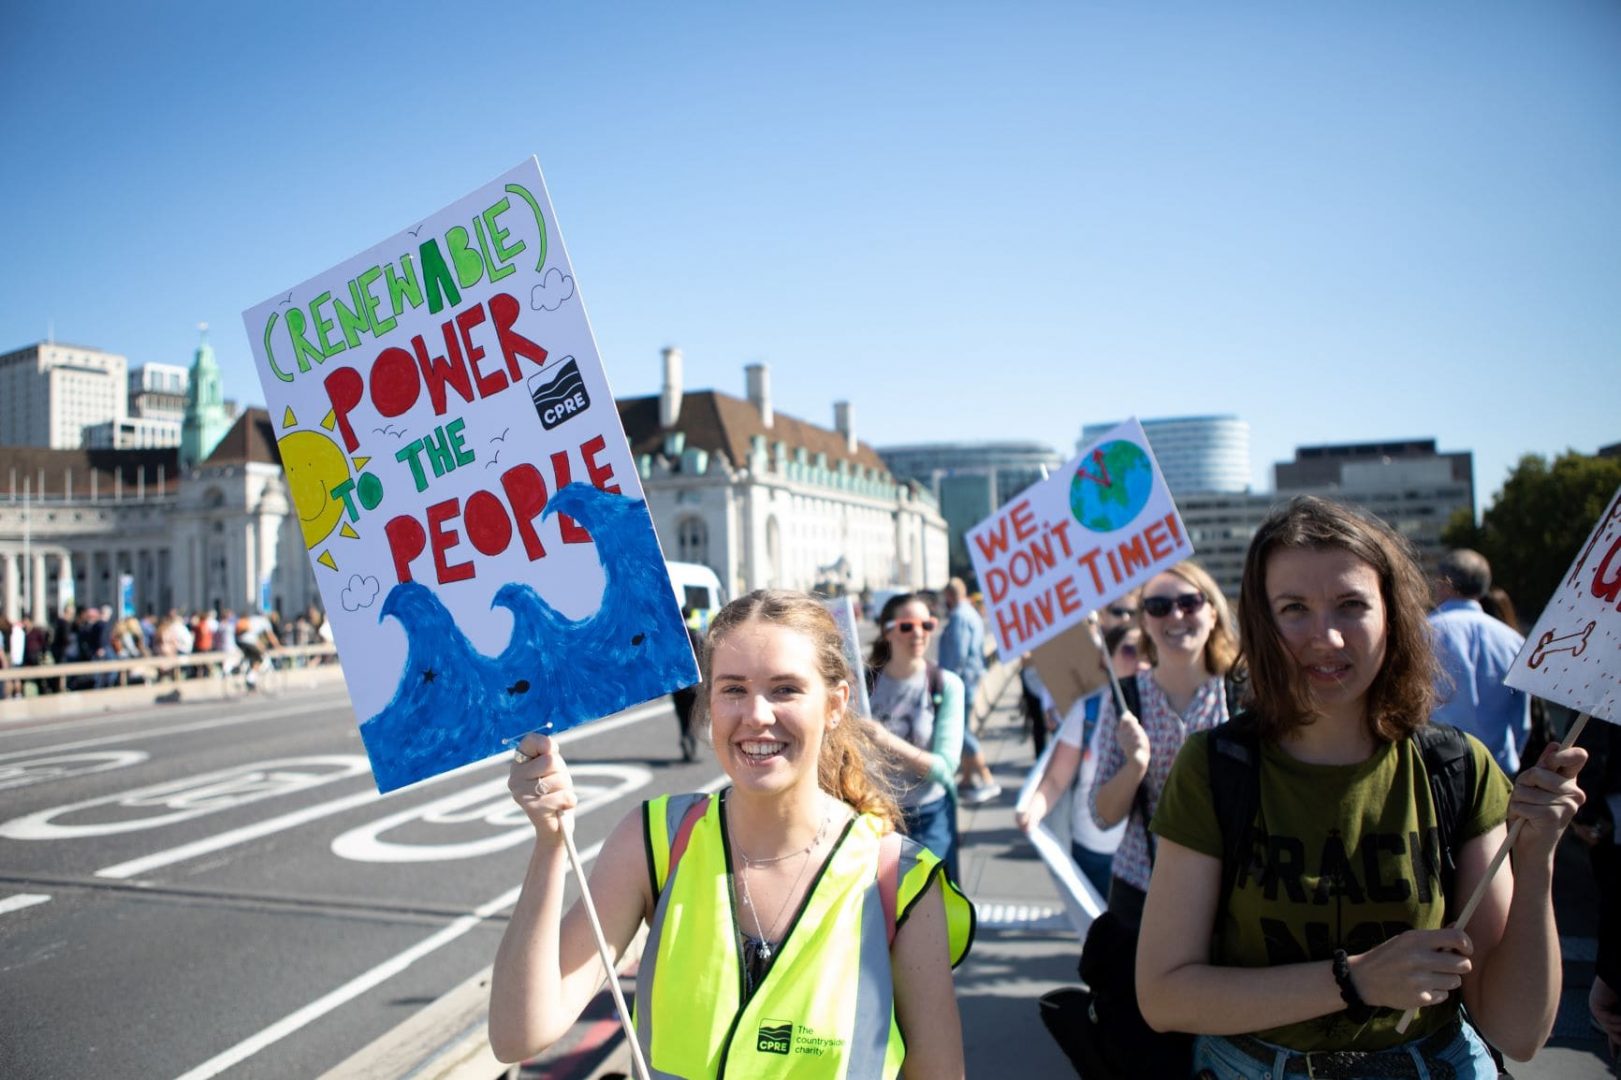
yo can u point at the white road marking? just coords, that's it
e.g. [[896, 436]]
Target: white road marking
[[192, 796], [26, 771], [490, 803], [10, 728], [136, 867], [20, 901], [150, 733], [377, 975]]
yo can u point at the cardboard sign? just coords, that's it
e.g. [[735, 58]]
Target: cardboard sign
[[464, 487], [1573, 654], [1070, 666], [1099, 527]]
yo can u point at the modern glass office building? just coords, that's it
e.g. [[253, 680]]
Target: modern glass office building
[[1197, 454], [971, 480]]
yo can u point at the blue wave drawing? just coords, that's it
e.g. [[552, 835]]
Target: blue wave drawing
[[455, 705]]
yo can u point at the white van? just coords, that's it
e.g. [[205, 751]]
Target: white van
[[697, 587]]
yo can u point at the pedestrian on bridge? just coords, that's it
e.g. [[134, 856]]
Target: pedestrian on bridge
[[1311, 851], [788, 923]]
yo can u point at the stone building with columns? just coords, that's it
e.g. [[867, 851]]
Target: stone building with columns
[[768, 500], [220, 534]]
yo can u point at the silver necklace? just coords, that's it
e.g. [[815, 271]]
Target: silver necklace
[[748, 897]]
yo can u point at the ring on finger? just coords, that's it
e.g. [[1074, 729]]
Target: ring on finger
[[542, 789], [519, 757]]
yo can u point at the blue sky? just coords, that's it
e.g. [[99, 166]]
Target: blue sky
[[1342, 223]]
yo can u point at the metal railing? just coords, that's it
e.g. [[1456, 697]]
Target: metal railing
[[157, 670]]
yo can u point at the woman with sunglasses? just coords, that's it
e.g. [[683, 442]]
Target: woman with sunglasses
[[917, 710], [1336, 925], [1188, 638]]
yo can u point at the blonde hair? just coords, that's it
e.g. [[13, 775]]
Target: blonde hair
[[852, 765]]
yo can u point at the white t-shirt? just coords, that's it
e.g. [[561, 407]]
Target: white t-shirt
[[1082, 829]]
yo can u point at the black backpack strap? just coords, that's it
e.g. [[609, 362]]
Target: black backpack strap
[[937, 684], [1233, 752], [1451, 771], [1131, 700]]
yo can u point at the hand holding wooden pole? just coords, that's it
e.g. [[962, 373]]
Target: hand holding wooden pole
[[1108, 665], [1491, 870], [567, 822]]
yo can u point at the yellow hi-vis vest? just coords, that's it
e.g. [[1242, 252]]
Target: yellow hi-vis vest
[[825, 1007]]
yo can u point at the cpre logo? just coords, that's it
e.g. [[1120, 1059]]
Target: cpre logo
[[560, 398], [776, 1037]]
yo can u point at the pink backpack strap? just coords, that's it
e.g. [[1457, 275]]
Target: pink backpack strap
[[889, 878], [683, 833]]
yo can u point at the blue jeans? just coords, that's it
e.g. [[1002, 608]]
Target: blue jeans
[[1096, 865], [1214, 1056], [934, 825]]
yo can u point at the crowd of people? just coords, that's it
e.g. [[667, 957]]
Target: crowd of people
[[95, 633], [1252, 801]]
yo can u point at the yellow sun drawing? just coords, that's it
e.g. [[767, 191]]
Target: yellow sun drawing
[[315, 464]]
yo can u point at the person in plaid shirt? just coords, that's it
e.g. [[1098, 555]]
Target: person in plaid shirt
[[1191, 645]]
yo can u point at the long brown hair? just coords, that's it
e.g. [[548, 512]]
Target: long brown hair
[[852, 765], [1403, 692], [1221, 647]]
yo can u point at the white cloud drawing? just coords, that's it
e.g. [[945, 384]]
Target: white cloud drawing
[[555, 289], [361, 592]]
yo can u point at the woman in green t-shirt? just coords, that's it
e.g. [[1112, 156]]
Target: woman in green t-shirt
[[1335, 926]]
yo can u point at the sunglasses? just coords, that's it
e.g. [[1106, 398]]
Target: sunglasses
[[1121, 611], [906, 626], [1160, 606]]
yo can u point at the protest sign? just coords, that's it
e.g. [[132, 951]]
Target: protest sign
[[843, 610], [1573, 655], [1096, 529], [1070, 666], [1082, 902], [464, 488]]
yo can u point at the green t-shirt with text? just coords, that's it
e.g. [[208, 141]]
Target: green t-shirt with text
[[1343, 857]]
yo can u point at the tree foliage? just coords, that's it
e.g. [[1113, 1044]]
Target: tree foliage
[[1538, 522]]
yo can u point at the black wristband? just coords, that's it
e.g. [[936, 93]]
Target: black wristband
[[1358, 1009]]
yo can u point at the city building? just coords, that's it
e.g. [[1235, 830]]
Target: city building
[[132, 433], [971, 480], [51, 391], [1196, 453], [768, 500], [1412, 486], [219, 535], [206, 419], [1220, 526], [158, 392]]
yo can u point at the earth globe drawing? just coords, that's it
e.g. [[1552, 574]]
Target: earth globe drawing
[[1111, 486]]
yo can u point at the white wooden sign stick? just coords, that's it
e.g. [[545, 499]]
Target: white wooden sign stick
[[602, 946], [1491, 871]]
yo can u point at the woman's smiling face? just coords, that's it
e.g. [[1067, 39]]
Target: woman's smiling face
[[1179, 634], [769, 706]]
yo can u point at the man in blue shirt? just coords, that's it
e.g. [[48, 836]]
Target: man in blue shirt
[[1475, 651], [962, 652]]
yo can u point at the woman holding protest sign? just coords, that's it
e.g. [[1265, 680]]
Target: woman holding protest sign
[[1189, 641], [785, 915], [918, 716], [1310, 852]]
